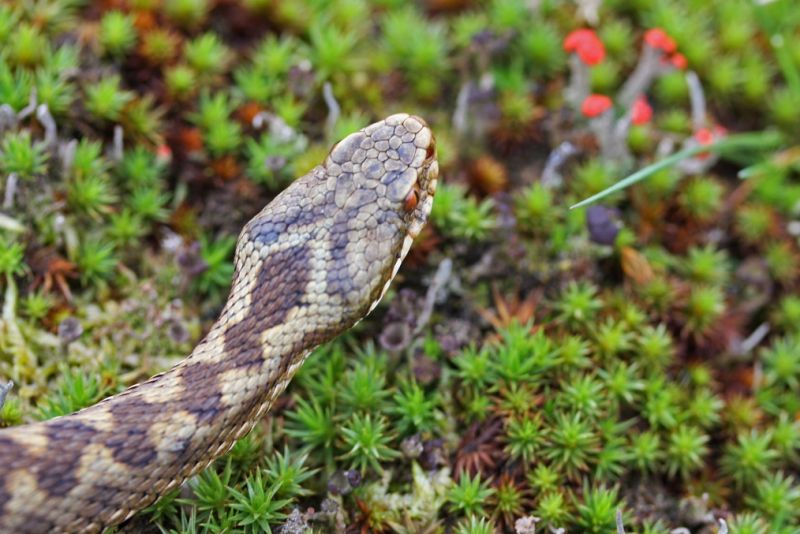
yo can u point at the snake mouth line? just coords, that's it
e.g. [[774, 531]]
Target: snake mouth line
[[426, 183], [427, 180]]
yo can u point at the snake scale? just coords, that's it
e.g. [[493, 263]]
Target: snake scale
[[309, 266]]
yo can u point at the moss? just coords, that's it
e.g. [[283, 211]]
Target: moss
[[550, 377]]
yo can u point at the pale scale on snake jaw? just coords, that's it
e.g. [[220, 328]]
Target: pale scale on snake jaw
[[308, 267]]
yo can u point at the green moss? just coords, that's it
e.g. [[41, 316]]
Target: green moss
[[507, 14], [597, 509], [187, 13], [702, 198], [180, 81], [686, 451], [77, 390], [207, 55], [783, 261], [55, 90], [475, 525], [602, 377], [426, 52], [217, 257], [572, 445], [29, 46], [270, 160], [106, 99], [22, 155], [707, 265], [671, 89], [788, 313], [782, 105], [117, 34], [541, 47], [617, 36], [605, 77], [414, 411], [724, 76], [331, 50], [592, 177], [474, 220], [468, 496], [578, 303], [753, 222]]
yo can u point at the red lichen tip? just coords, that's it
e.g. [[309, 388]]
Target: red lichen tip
[[658, 38], [592, 55], [595, 105], [577, 38], [586, 45], [163, 153], [706, 136], [678, 61], [641, 112]]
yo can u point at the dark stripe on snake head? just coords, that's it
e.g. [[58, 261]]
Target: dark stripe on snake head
[[134, 446], [58, 470]]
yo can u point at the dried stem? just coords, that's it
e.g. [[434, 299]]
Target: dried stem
[[579, 82], [647, 68]]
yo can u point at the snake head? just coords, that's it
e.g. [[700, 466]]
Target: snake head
[[329, 245], [395, 158], [384, 178]]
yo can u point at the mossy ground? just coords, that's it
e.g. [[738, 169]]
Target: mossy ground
[[643, 360]]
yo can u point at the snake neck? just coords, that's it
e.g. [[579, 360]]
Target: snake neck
[[95, 468], [309, 266]]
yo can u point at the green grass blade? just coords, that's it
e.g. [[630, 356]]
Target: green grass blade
[[735, 142]]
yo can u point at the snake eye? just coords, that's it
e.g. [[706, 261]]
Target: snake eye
[[431, 151], [411, 199]]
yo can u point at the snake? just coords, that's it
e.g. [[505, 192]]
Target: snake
[[307, 267]]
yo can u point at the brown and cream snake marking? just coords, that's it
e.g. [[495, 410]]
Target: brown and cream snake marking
[[309, 266]]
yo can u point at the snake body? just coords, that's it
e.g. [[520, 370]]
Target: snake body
[[309, 266]]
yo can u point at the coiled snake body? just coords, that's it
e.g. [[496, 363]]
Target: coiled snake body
[[309, 266]]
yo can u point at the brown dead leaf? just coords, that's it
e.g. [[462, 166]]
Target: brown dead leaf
[[636, 266]]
